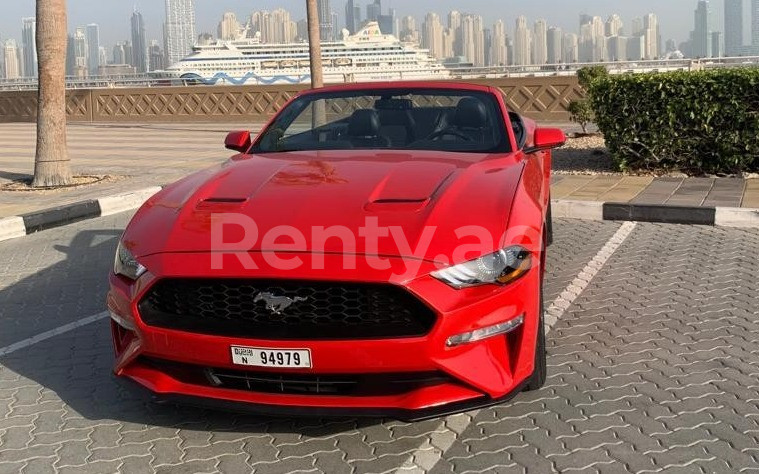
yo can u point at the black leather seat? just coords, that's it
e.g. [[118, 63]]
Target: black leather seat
[[364, 130], [471, 119], [398, 126]]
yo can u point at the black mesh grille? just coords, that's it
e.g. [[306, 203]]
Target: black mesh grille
[[285, 310]]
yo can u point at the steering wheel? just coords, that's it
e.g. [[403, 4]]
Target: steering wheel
[[449, 132]]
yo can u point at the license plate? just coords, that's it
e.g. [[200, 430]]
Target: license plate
[[281, 358]]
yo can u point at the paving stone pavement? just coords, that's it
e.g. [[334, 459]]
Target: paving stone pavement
[[653, 368]]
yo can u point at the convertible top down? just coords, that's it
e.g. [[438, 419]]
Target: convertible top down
[[378, 249]]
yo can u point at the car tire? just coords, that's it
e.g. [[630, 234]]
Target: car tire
[[539, 374]]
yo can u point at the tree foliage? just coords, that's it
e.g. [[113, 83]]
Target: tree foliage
[[587, 75], [581, 113]]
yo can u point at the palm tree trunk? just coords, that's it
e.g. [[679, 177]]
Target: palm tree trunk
[[319, 114], [314, 43], [52, 166]]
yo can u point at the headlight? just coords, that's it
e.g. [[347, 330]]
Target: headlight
[[125, 264], [498, 268]]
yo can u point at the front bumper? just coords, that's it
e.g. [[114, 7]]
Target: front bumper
[[478, 374], [308, 411]]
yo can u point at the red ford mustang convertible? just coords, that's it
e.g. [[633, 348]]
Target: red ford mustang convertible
[[378, 250]]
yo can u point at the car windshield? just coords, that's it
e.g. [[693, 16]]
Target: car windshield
[[437, 120]]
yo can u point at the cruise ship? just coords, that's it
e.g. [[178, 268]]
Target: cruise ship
[[369, 55]]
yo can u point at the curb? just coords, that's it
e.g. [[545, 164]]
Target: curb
[[25, 224], [612, 211], [19, 226]]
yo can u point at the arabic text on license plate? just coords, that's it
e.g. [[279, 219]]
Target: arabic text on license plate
[[261, 357]]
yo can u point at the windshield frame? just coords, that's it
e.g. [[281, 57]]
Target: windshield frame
[[293, 110]]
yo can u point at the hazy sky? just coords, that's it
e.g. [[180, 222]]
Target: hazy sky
[[676, 16]]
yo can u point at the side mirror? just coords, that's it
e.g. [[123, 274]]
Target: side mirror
[[238, 141], [546, 139]]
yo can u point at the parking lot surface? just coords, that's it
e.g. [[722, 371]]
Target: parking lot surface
[[653, 367]]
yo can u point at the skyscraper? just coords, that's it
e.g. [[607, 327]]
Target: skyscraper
[[717, 46], [555, 39], [614, 25], [229, 27], [387, 23], [599, 39], [652, 36], [454, 25], [80, 51], [156, 57], [432, 35], [571, 48], [637, 27], [473, 39], [408, 32], [12, 66], [585, 19], [755, 25], [119, 55], [701, 31], [733, 27], [522, 43], [616, 47], [93, 48], [139, 43], [374, 10], [276, 27], [352, 16], [179, 29], [70, 56], [592, 41], [498, 48], [326, 30], [540, 42], [29, 46]]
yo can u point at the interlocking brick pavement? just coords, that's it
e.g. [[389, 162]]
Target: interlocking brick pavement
[[653, 367]]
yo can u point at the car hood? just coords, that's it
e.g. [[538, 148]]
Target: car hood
[[423, 198]]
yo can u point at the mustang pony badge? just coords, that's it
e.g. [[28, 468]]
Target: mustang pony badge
[[277, 304]]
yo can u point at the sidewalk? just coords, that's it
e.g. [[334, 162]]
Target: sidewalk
[[691, 192], [155, 155]]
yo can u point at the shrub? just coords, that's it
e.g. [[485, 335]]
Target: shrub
[[581, 113], [587, 75], [696, 122]]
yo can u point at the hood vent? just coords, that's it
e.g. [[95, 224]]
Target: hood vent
[[221, 203], [225, 200]]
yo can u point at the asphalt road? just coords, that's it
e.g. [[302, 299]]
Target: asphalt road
[[653, 366]]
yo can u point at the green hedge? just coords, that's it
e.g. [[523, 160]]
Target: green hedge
[[696, 122]]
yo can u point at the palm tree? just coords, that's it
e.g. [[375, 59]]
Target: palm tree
[[52, 166]]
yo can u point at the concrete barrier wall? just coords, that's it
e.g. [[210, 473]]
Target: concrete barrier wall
[[542, 98]]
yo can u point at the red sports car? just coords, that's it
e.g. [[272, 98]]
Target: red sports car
[[377, 250]]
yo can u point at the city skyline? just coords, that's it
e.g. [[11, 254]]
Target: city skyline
[[676, 16], [460, 34]]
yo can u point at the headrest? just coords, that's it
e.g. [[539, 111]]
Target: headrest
[[364, 123], [470, 113]]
